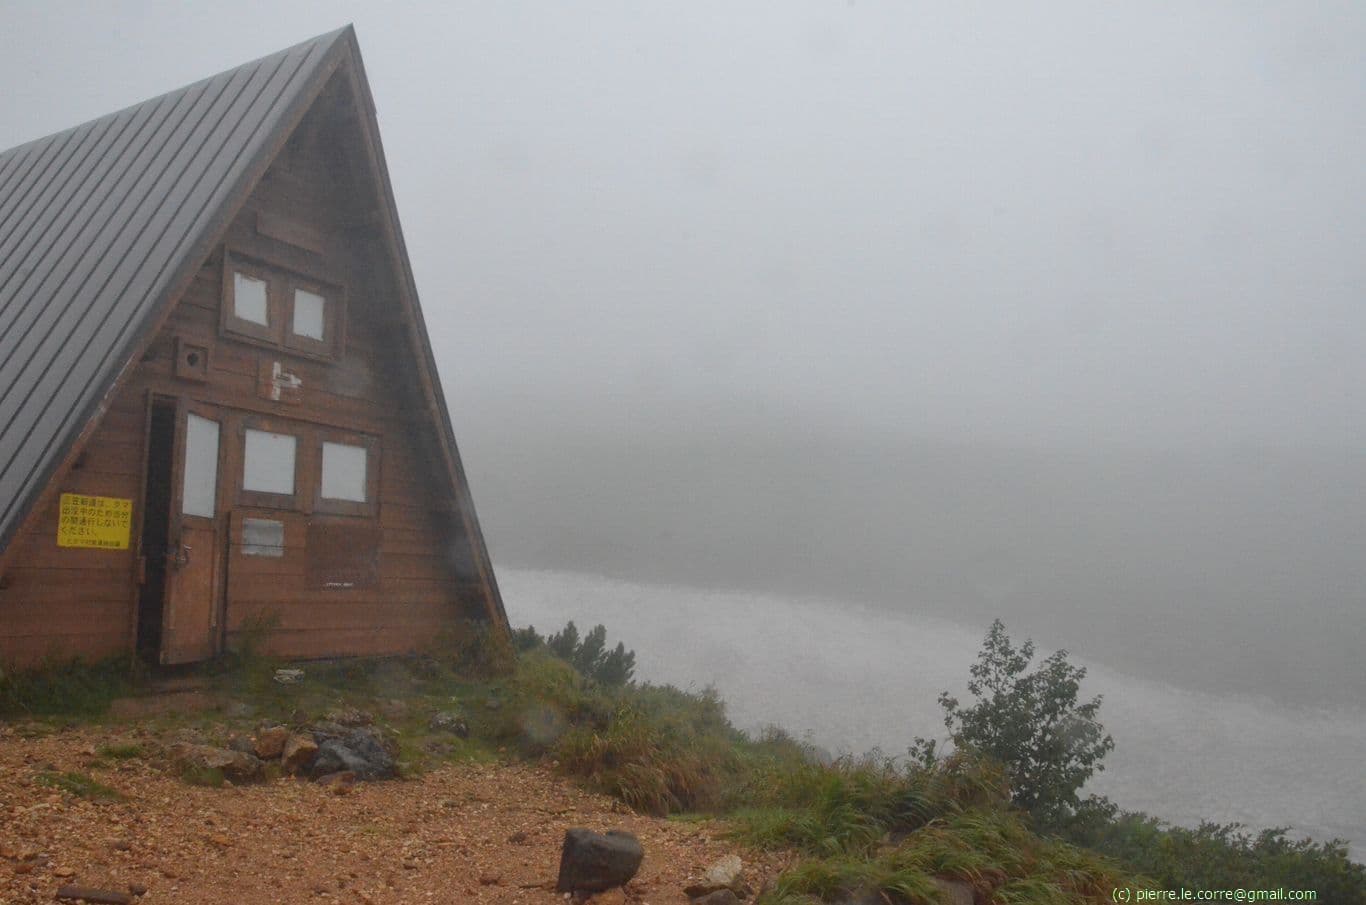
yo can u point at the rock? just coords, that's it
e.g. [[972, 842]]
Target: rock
[[334, 757], [341, 782], [63, 872], [349, 717], [955, 892], [241, 743], [326, 729], [298, 753], [270, 742], [717, 897], [236, 766], [594, 862], [451, 721], [360, 750], [610, 897], [289, 676], [137, 889], [724, 873], [493, 704]]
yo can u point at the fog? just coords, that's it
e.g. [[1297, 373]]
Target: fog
[[1052, 313]]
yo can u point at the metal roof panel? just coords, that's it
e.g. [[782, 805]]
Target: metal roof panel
[[100, 223]]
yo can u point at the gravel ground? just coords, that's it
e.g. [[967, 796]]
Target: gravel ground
[[461, 833]]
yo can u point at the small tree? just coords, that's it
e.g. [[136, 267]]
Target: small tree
[[617, 667], [588, 655], [588, 658], [565, 642], [1030, 722]]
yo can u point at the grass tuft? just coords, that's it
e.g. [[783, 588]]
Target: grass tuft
[[81, 785], [128, 751], [66, 688]]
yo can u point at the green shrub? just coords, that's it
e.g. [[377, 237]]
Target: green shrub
[[1215, 856], [1029, 721]]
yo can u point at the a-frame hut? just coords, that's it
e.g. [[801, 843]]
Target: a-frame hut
[[218, 403]]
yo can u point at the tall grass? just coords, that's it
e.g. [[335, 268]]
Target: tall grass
[[66, 688], [657, 748]]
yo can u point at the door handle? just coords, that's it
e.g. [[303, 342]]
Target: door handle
[[181, 557]]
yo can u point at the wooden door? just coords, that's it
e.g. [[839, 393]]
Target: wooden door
[[190, 614]]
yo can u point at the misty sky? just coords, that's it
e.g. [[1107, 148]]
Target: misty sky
[[1052, 311], [1056, 225]]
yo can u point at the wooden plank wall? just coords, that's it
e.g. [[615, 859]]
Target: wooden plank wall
[[83, 602], [58, 603]]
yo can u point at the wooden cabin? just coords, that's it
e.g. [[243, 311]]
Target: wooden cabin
[[219, 410]]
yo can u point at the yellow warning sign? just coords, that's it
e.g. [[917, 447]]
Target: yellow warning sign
[[94, 521]]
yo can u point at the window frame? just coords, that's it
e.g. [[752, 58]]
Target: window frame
[[297, 342], [309, 437], [281, 283], [230, 322], [370, 443], [264, 499]]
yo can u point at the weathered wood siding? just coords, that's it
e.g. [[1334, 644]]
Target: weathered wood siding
[[68, 602]]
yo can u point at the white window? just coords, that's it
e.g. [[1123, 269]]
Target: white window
[[268, 462], [249, 299], [263, 537], [344, 472], [200, 483], [309, 310]]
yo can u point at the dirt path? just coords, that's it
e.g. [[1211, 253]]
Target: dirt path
[[461, 833]]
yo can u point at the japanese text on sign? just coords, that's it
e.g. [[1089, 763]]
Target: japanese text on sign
[[94, 521]]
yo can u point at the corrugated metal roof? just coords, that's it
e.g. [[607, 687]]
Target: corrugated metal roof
[[101, 223]]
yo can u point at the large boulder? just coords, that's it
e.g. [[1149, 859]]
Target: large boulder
[[236, 766], [593, 862], [362, 751]]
